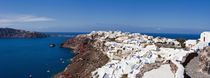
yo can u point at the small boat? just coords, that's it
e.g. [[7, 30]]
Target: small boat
[[63, 62], [61, 59], [52, 45], [48, 71], [30, 76]]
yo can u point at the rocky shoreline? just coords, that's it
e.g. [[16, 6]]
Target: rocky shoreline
[[105, 54], [88, 58]]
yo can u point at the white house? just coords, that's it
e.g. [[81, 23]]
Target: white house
[[205, 37], [190, 43]]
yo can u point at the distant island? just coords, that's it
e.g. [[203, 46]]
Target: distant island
[[17, 33]]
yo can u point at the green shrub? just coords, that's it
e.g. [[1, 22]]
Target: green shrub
[[181, 40], [124, 76]]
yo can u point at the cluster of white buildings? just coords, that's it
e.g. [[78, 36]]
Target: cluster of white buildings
[[195, 45], [129, 52]]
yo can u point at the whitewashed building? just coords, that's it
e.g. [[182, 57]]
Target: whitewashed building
[[190, 43], [205, 37]]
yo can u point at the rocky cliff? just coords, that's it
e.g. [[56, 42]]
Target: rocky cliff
[[199, 66], [103, 54], [15, 33], [88, 58]]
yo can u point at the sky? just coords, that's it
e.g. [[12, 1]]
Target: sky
[[148, 16]]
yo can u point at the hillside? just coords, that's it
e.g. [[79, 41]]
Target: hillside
[[15, 33]]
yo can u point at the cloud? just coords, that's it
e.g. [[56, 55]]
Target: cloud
[[24, 18]]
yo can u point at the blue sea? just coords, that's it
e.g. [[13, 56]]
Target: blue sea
[[174, 36], [20, 58]]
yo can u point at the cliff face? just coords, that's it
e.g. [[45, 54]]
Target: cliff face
[[14, 33], [88, 58], [199, 66], [115, 54]]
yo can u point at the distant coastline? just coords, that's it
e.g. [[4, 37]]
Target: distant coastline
[[166, 35], [16, 33]]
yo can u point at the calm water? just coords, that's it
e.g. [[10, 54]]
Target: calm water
[[167, 35], [21, 57], [174, 36]]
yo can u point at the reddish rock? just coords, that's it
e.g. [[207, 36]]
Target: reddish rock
[[86, 60]]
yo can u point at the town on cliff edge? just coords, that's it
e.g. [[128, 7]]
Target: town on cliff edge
[[115, 54]]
